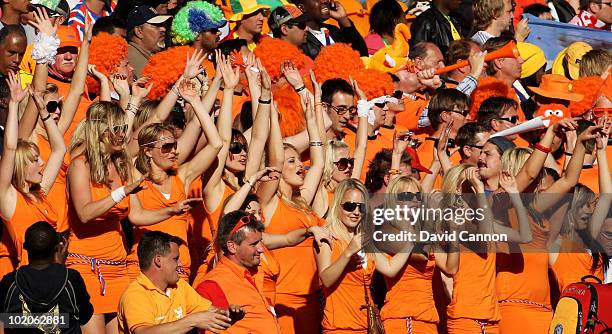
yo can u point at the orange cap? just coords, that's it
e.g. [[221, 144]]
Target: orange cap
[[68, 36]]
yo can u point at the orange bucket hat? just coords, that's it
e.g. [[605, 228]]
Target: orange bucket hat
[[556, 86]]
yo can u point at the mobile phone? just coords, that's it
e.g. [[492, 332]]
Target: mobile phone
[[236, 315]]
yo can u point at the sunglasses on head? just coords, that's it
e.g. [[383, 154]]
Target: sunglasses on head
[[237, 147], [168, 147], [407, 196], [512, 119], [52, 106], [242, 222], [344, 163], [351, 206]]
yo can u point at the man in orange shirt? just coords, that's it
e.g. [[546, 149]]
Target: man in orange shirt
[[233, 280], [499, 113], [158, 300]]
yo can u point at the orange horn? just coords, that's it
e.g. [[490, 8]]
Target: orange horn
[[507, 51]]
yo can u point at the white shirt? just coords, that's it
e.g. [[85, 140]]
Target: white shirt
[[481, 37], [320, 35]]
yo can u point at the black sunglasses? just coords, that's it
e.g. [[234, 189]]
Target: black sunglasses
[[237, 147], [344, 163], [408, 196], [299, 25], [464, 112], [52, 106], [381, 104], [168, 147], [480, 147], [351, 206], [512, 119]]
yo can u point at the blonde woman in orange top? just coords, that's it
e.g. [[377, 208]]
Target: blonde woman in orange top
[[24, 184]]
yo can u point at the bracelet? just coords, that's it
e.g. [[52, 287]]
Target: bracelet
[[316, 143], [568, 154], [394, 171], [118, 194], [308, 232], [297, 90], [45, 118], [249, 183], [264, 101], [542, 148]]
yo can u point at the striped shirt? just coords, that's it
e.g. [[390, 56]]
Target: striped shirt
[[80, 11]]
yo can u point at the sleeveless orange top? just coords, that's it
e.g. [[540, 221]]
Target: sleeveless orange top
[[343, 301], [474, 294], [572, 265], [58, 193], [298, 268], [26, 213], [152, 199], [269, 270], [410, 293], [101, 238]]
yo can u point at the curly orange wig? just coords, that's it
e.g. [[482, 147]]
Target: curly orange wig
[[336, 61], [590, 87], [164, 68], [292, 119], [487, 87], [373, 83], [273, 51], [106, 52]]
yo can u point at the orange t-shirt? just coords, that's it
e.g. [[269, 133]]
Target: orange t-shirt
[[359, 15], [413, 108], [410, 293], [58, 194], [375, 145], [241, 287], [474, 294], [298, 268], [343, 301], [152, 199], [26, 213]]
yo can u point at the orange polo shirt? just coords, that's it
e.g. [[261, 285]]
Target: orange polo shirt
[[144, 304], [227, 284], [375, 144], [413, 108]]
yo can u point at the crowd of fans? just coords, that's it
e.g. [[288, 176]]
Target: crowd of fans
[[176, 166]]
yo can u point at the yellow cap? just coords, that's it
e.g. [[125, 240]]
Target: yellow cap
[[533, 56], [573, 54]]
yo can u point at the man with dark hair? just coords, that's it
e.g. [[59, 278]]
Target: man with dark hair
[[232, 280], [288, 24], [497, 113], [507, 70], [146, 33], [321, 34], [109, 24], [595, 14], [377, 177], [63, 291], [12, 10], [459, 50], [470, 140], [158, 300], [538, 10], [437, 25], [337, 99], [13, 43]]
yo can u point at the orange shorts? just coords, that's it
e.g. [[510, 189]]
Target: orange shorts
[[115, 281], [298, 315], [410, 326], [471, 326], [524, 318]]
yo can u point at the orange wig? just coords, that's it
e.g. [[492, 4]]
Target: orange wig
[[591, 88], [373, 83], [106, 52], [273, 51], [336, 61], [292, 119], [164, 68], [487, 87]]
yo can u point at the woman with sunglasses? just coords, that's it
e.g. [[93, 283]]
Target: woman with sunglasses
[[410, 306], [169, 180], [24, 184], [345, 270], [474, 304]]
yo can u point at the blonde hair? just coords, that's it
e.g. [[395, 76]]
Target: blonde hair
[[296, 201], [334, 223], [513, 160], [91, 134], [396, 185], [26, 153], [146, 139], [145, 111], [485, 12], [331, 147], [51, 88], [453, 180], [595, 63]]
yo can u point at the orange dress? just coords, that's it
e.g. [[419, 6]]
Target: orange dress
[[573, 264], [152, 199], [343, 311], [522, 284], [297, 304], [409, 303], [27, 212], [58, 194], [97, 252], [474, 306]]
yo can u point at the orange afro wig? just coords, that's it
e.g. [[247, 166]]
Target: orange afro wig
[[164, 68], [487, 87], [373, 83], [336, 61], [292, 119], [106, 52], [590, 87], [273, 51]]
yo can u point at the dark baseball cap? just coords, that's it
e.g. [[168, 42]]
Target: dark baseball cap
[[144, 14], [284, 14]]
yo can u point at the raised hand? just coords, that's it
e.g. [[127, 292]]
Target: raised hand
[[477, 61], [567, 124], [42, 22], [356, 244], [93, 71], [135, 186], [184, 205], [336, 11], [508, 182], [522, 30], [39, 101], [316, 87], [472, 176], [292, 74], [231, 76], [14, 82], [188, 91], [252, 69], [604, 134], [88, 30], [140, 89], [120, 84], [590, 133], [266, 174], [360, 94], [429, 78], [401, 141], [193, 65], [443, 140], [266, 82]]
